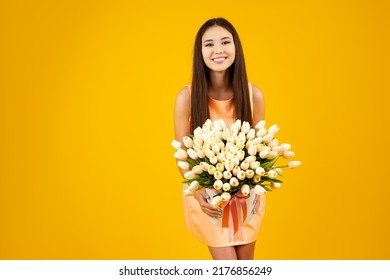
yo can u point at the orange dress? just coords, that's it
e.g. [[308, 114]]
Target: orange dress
[[210, 230]]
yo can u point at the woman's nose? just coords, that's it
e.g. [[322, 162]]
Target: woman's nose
[[218, 49]]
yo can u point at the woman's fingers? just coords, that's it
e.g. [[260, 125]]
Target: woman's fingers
[[201, 196]]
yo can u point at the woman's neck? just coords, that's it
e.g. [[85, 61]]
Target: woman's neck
[[220, 87]]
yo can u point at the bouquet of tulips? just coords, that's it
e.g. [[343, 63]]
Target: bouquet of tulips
[[232, 160]]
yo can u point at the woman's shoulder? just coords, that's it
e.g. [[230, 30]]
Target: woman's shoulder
[[257, 94], [183, 97]]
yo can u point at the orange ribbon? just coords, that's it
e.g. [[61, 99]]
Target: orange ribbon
[[234, 214]]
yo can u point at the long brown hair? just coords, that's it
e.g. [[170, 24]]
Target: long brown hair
[[201, 78]]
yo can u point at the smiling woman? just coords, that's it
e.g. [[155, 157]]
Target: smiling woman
[[219, 90]]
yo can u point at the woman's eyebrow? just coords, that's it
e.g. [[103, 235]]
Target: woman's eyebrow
[[211, 40]]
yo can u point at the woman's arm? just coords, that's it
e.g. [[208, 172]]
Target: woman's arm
[[258, 105]]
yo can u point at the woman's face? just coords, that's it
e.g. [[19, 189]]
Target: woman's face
[[218, 48]]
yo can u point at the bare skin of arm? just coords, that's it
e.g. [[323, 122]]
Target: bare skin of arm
[[182, 114]]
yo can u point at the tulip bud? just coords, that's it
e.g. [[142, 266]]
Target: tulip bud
[[240, 144], [198, 169], [225, 133], [201, 153], [211, 169], [252, 150], [219, 167], [273, 129], [235, 160], [183, 165], [271, 155], [188, 142], [274, 142], [276, 185], [240, 155], [227, 175], [260, 124], [235, 171], [225, 196], [241, 136], [278, 149], [255, 164], [261, 132], [260, 171], [293, 164], [216, 148], [229, 165], [259, 190], [213, 159], [245, 189], [226, 187], [204, 165], [192, 154], [288, 154], [218, 175], [257, 140], [237, 124], [268, 138], [286, 147], [250, 159], [197, 141], [272, 174], [278, 170], [249, 173], [190, 175], [245, 127], [256, 178], [234, 182], [181, 154], [194, 186], [251, 134], [198, 132], [264, 153], [244, 165], [176, 144], [216, 201], [241, 175], [218, 185]]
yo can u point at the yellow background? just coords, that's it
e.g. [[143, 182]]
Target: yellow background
[[86, 113]]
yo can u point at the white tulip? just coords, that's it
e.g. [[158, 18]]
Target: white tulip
[[176, 144], [293, 164], [225, 196], [197, 141], [264, 153], [237, 124], [249, 173], [204, 165], [268, 138], [194, 186], [274, 142], [229, 165], [190, 175], [245, 127], [272, 174], [255, 164], [198, 169], [256, 178], [271, 155], [276, 185], [235, 171], [288, 154], [225, 133], [251, 134], [241, 175], [211, 169], [208, 153], [229, 155], [219, 167], [261, 132], [259, 190], [260, 171], [286, 147], [181, 154], [273, 129], [260, 124], [250, 158], [226, 187], [278, 149], [218, 185], [227, 175], [234, 150], [221, 145], [240, 155], [278, 170], [183, 165], [240, 144], [245, 189], [192, 154], [188, 142], [257, 140], [244, 165], [216, 148], [216, 201], [198, 132], [213, 159], [252, 150], [218, 175], [234, 182], [201, 153]]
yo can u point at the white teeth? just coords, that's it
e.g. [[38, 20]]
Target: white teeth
[[220, 59]]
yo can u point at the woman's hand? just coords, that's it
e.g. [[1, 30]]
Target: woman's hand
[[201, 197]]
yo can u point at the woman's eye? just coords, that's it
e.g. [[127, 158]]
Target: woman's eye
[[225, 42], [208, 45]]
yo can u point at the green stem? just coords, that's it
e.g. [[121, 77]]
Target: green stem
[[283, 166]]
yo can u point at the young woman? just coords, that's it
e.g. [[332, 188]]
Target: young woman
[[219, 89]]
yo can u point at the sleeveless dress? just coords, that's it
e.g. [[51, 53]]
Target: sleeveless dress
[[206, 229]]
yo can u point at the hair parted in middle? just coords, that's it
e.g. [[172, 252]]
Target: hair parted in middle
[[201, 78]]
